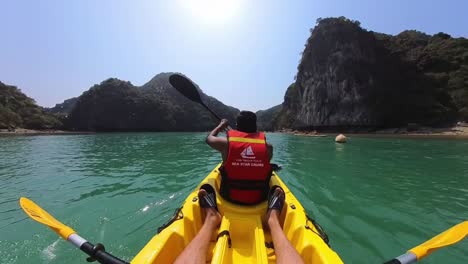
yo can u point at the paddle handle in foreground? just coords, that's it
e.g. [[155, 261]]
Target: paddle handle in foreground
[[406, 258], [444, 239], [96, 252]]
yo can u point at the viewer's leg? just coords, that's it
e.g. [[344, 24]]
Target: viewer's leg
[[197, 249], [285, 252]]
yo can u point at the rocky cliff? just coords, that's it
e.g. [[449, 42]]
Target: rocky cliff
[[116, 105], [266, 118], [353, 78]]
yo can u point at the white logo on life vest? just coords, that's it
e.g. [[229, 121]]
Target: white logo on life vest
[[247, 153]]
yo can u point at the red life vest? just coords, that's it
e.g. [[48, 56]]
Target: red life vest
[[246, 172]]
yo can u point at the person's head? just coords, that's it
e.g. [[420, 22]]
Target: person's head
[[247, 122]]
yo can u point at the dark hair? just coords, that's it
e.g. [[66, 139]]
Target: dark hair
[[247, 122]]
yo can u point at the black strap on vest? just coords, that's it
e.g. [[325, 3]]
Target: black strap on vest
[[228, 184]]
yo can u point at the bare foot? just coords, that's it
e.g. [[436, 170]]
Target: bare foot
[[212, 216], [273, 218]]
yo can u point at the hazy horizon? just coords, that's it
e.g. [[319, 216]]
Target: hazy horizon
[[233, 49]]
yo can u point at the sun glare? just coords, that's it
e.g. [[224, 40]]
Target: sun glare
[[212, 11]]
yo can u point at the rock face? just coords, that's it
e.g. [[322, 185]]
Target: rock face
[[352, 78], [265, 117], [19, 111], [116, 105]]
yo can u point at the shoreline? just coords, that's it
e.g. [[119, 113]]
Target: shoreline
[[34, 132], [408, 135], [457, 132]]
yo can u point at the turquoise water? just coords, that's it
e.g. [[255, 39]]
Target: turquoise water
[[375, 197]]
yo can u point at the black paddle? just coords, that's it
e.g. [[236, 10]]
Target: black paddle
[[188, 89]]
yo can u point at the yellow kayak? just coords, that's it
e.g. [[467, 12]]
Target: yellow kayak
[[244, 240]]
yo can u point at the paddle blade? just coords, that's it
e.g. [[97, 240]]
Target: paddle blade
[[447, 238], [186, 87], [40, 215]]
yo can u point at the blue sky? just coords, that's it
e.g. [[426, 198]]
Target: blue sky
[[54, 50]]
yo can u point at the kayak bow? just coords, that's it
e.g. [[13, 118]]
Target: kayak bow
[[241, 237]]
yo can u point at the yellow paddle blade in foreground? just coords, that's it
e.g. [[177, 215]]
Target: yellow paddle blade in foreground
[[40, 215], [447, 238]]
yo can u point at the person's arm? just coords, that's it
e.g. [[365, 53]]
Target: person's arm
[[218, 143], [270, 151]]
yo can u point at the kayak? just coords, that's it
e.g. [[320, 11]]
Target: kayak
[[240, 237]]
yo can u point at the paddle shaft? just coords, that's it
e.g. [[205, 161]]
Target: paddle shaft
[[211, 111], [96, 252], [188, 89], [406, 258]]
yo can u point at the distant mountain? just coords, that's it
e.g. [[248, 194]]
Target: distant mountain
[[116, 105], [349, 77], [266, 118], [19, 111], [64, 108]]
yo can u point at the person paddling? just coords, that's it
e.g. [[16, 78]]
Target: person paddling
[[246, 169], [245, 172]]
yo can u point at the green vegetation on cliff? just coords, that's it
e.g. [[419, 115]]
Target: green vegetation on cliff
[[63, 108], [349, 77], [116, 105], [441, 58], [19, 111]]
